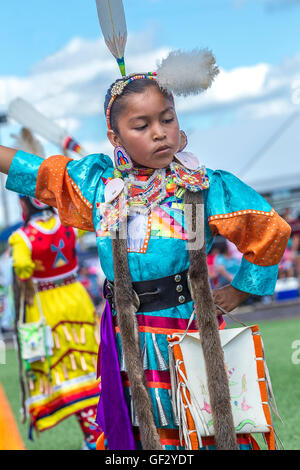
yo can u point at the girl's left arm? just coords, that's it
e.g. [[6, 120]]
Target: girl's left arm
[[238, 213]]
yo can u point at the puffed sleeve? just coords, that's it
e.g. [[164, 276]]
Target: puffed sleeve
[[238, 213], [69, 185], [21, 255]]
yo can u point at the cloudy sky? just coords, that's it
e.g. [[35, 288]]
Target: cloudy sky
[[55, 57]]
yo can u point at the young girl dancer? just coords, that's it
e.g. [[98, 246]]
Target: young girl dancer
[[154, 281], [45, 265]]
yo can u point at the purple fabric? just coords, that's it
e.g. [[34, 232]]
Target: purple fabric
[[112, 414]]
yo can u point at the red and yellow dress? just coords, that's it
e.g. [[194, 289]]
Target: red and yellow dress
[[44, 251]]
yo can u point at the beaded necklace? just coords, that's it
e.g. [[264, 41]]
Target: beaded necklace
[[142, 189]]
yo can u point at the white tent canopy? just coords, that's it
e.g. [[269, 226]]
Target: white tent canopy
[[231, 147]]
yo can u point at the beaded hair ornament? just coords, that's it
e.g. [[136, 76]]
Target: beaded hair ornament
[[119, 87]]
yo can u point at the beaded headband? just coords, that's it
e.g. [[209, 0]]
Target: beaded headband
[[119, 87]]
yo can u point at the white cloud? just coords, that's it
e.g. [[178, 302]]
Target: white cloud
[[73, 82], [263, 89], [230, 87], [70, 85]]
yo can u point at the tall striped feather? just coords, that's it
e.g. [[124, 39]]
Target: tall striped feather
[[113, 25]]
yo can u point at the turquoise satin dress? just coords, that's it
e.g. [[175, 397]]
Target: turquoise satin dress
[[232, 209]]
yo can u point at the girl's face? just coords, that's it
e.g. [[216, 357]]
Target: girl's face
[[148, 129]]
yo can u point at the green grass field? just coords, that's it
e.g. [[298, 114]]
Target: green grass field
[[278, 337]]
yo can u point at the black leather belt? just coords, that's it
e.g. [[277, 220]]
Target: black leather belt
[[157, 294]]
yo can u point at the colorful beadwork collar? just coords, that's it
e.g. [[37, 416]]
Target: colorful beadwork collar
[[142, 171], [135, 195]]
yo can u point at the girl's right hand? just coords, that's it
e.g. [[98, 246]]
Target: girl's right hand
[[6, 156]]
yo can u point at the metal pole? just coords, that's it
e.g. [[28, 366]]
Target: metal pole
[[3, 120]]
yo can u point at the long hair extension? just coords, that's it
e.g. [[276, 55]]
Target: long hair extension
[[218, 385]]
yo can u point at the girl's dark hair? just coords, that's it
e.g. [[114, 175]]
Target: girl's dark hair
[[136, 86], [33, 210], [223, 248]]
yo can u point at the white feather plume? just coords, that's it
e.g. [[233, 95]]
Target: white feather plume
[[28, 143], [28, 116], [25, 114], [187, 73]]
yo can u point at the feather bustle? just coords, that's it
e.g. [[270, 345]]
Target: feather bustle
[[25, 114]]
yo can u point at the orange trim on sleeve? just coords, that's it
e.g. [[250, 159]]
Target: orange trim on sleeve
[[55, 187], [261, 236]]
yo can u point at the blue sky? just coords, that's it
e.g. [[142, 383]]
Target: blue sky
[[54, 57], [240, 32]]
